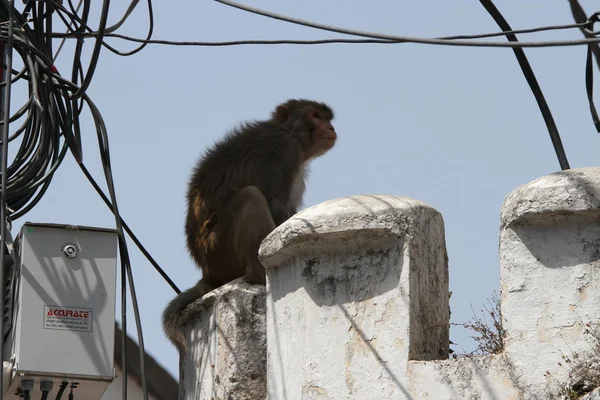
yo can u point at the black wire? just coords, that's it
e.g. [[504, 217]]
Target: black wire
[[50, 127], [128, 230], [61, 390], [67, 15], [589, 86], [42, 130], [148, 35], [96, 52], [92, 34], [580, 16], [8, 49], [402, 39], [533, 84], [126, 272], [128, 12]]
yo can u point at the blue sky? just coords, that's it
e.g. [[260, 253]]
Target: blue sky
[[457, 128]]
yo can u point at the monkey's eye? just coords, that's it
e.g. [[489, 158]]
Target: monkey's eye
[[317, 115]]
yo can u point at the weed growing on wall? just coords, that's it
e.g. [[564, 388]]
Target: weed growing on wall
[[487, 329]]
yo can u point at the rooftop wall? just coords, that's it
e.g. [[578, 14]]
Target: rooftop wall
[[356, 303]]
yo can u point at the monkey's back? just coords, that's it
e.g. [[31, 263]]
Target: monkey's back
[[259, 154]]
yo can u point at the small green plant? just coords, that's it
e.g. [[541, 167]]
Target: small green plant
[[487, 328]]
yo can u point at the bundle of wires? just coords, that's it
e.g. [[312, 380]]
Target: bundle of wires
[[50, 122], [47, 118]]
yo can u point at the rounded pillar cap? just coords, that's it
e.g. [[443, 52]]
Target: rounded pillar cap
[[560, 193], [346, 224]]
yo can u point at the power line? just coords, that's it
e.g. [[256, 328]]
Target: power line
[[533, 84], [51, 126], [8, 51], [445, 41], [448, 40], [311, 42]]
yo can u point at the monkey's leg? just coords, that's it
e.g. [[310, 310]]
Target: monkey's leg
[[252, 222]]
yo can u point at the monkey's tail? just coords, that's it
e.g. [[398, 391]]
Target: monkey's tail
[[172, 320]]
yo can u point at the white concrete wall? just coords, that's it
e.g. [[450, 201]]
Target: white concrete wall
[[227, 342], [357, 299], [550, 281], [356, 287]]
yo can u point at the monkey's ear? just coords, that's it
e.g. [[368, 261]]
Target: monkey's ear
[[281, 114]]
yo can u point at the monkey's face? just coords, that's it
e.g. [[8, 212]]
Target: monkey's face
[[310, 121], [322, 132]]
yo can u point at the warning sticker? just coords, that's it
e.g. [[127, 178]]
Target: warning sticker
[[68, 318]]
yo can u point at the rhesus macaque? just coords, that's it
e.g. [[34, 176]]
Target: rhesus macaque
[[243, 187]]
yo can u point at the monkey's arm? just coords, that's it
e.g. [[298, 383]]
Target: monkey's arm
[[279, 211]]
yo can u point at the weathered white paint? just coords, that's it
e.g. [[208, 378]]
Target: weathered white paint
[[473, 378], [227, 357], [594, 395], [352, 282], [550, 282], [357, 299]]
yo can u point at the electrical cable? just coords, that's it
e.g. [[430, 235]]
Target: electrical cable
[[5, 99], [580, 16], [51, 127], [91, 34], [46, 387], [589, 85], [128, 12], [65, 15], [533, 84], [69, 25], [47, 120], [61, 390], [128, 230], [405, 39], [124, 252], [338, 41], [126, 274], [95, 52], [148, 35]]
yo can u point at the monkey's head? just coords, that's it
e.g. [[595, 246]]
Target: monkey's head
[[310, 122]]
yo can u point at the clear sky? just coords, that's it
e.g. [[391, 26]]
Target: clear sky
[[455, 127]]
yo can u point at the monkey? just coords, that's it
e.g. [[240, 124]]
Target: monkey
[[243, 187]]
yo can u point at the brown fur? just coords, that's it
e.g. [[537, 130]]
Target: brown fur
[[240, 190]]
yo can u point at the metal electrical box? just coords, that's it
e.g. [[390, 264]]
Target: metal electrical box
[[60, 309]]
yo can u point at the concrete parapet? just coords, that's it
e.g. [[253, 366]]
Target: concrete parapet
[[549, 277], [356, 287], [227, 342], [357, 303]]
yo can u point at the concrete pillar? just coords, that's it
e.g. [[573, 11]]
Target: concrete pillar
[[227, 345], [356, 287], [550, 281]]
